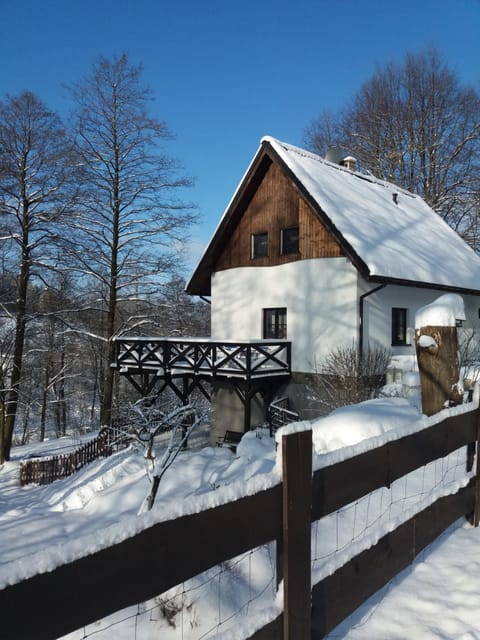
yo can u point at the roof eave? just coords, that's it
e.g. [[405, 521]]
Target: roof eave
[[423, 285]]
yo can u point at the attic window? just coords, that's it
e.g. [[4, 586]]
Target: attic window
[[259, 245], [289, 241]]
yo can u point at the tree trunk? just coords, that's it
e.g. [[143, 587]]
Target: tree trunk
[[2, 432], [43, 412], [437, 355], [96, 374], [26, 417], [14, 387], [107, 398], [59, 391], [106, 409], [2, 414]]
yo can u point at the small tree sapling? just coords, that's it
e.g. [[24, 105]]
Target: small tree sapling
[[147, 421]]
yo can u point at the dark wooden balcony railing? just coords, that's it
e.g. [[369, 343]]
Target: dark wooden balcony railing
[[245, 359]]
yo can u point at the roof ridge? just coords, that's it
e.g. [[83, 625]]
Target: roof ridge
[[317, 158]]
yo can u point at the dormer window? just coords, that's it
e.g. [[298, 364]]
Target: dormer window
[[289, 241], [259, 245]]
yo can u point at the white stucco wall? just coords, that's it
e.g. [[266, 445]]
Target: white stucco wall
[[320, 296], [377, 313]]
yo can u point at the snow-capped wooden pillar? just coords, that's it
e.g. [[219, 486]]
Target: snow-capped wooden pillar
[[436, 343], [296, 542]]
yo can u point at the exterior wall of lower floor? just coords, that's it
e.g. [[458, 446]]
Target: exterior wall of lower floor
[[229, 411], [320, 296], [377, 316]]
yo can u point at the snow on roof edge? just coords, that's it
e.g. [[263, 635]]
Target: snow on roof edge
[[287, 153], [368, 177]]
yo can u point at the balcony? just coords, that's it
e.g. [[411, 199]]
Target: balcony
[[203, 358]]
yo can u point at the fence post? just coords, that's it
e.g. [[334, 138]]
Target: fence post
[[297, 510], [476, 511]]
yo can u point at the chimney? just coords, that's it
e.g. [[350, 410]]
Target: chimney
[[349, 162]]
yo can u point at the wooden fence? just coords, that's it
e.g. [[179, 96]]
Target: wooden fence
[[46, 470], [163, 556]]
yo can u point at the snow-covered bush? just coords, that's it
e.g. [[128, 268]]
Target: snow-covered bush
[[348, 377]]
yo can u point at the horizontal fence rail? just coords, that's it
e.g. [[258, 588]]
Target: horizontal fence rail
[[208, 358], [337, 485], [338, 595], [163, 555], [139, 568]]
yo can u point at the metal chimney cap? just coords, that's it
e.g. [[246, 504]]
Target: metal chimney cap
[[335, 155]]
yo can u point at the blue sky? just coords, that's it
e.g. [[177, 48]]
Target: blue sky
[[223, 72]]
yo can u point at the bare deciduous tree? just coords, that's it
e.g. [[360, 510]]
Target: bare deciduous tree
[[131, 220], [414, 124], [35, 182]]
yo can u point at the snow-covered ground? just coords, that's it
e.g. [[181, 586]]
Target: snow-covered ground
[[437, 597]]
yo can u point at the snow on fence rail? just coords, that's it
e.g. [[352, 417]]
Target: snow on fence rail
[[162, 556]]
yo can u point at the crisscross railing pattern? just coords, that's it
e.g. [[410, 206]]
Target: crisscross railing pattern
[[245, 359]]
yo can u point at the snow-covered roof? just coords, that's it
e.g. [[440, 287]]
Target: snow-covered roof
[[389, 233], [397, 236]]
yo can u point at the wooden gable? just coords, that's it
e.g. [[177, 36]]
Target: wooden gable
[[316, 241], [332, 207], [269, 199], [275, 205]]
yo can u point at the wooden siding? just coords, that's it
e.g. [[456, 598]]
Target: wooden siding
[[315, 239], [276, 205]]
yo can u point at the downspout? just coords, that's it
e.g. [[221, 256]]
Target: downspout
[[362, 298]]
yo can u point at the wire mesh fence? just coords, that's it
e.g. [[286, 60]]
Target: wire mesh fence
[[211, 605], [404, 477], [343, 534], [216, 603]]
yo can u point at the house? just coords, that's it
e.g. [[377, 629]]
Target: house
[[309, 255], [314, 252]]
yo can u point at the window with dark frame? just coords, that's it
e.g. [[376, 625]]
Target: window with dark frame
[[275, 323], [289, 241], [399, 326], [259, 245]]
